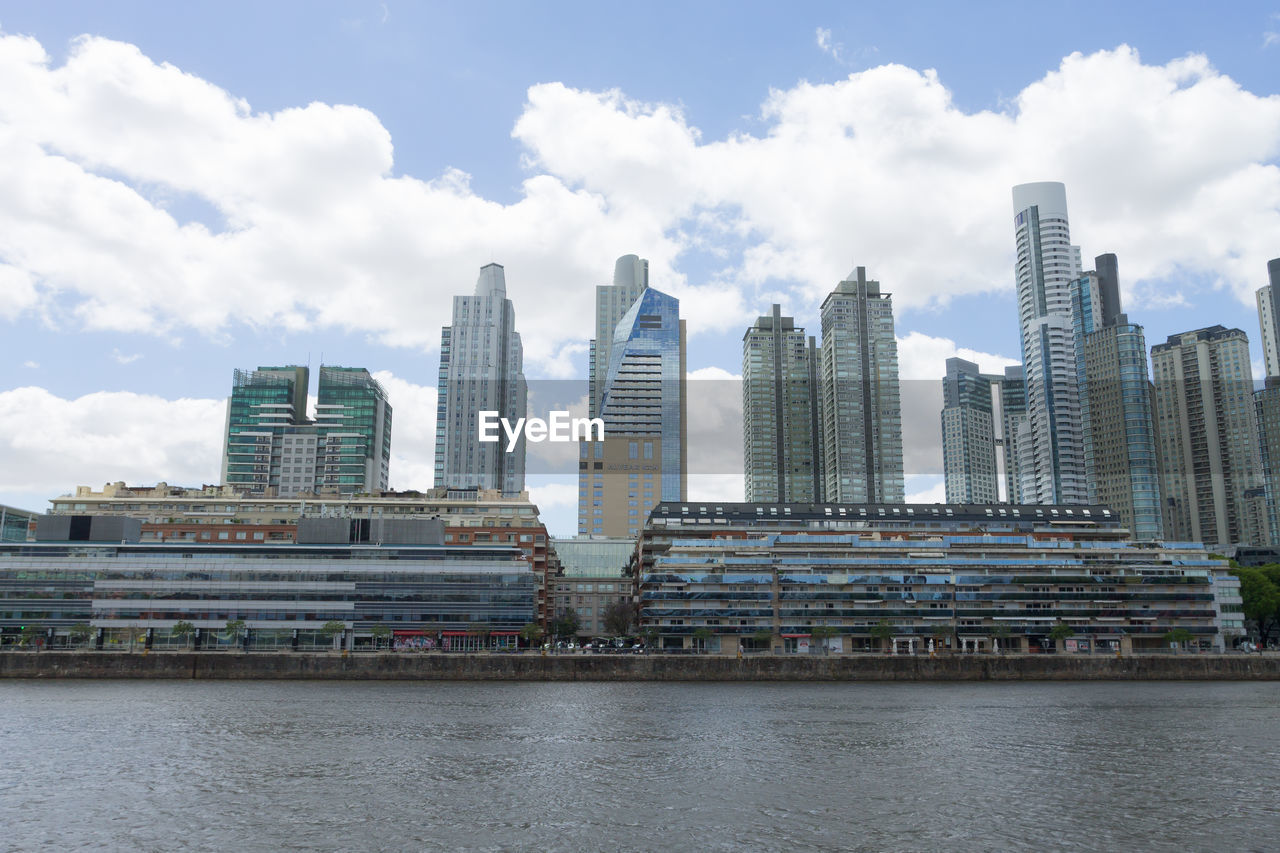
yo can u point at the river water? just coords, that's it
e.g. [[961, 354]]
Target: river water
[[638, 766]]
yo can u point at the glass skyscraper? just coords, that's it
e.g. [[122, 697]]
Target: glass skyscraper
[[642, 459], [779, 411], [1115, 403], [860, 403]]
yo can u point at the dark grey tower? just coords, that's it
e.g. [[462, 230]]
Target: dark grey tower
[[1108, 287]]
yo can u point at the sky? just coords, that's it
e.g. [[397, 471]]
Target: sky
[[186, 189]]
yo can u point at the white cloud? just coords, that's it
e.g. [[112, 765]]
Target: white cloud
[[51, 444], [1269, 38], [823, 38], [1170, 166], [413, 432], [31, 365], [121, 358], [926, 490]]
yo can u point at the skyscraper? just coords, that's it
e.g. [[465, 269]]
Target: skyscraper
[[272, 449], [860, 404], [630, 279], [1267, 403], [980, 412], [1115, 405], [1051, 442], [779, 411], [1208, 435], [481, 369], [353, 432], [643, 457]]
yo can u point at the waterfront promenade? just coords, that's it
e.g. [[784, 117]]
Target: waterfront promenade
[[530, 666]]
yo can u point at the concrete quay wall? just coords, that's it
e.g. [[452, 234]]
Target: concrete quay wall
[[535, 667]]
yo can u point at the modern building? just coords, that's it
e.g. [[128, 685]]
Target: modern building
[[1267, 315], [127, 592], [1208, 436], [1267, 404], [273, 449], [481, 369], [980, 416], [860, 404], [1115, 403], [781, 445], [795, 578], [643, 456], [15, 523], [1051, 442], [613, 301], [219, 515]]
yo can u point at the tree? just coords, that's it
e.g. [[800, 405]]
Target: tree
[[1060, 633], [532, 633], [381, 633], [700, 637], [1260, 601], [763, 637], [822, 633], [651, 636], [618, 618], [883, 632], [1000, 632], [29, 634], [567, 624], [1178, 636], [234, 627], [332, 629], [183, 630], [79, 633]]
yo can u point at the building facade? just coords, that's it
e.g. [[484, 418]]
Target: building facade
[[859, 403], [613, 301], [273, 449], [781, 446], [130, 592], [1208, 436], [481, 369], [981, 413], [643, 456], [1051, 442], [1115, 403], [793, 578], [15, 523]]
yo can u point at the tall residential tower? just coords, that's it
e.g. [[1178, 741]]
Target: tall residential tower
[[860, 403], [481, 369], [779, 412], [1051, 443]]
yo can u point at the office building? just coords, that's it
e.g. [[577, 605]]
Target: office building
[[127, 592], [1115, 403], [630, 279], [859, 403], [796, 577], [1051, 442], [643, 457], [15, 523], [481, 369], [1208, 436], [780, 411]]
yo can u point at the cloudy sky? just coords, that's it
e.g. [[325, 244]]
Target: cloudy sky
[[190, 188]]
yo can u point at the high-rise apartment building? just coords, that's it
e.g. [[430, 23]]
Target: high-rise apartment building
[[1115, 403], [981, 411], [860, 403], [1267, 316], [481, 369], [780, 412], [1051, 442], [273, 449], [643, 457], [1267, 403], [630, 279], [1208, 436], [352, 431]]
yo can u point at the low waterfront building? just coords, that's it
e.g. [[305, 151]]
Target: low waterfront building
[[793, 577], [225, 516], [594, 576], [93, 573]]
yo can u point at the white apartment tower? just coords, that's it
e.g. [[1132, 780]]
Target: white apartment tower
[[481, 369], [1050, 443]]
